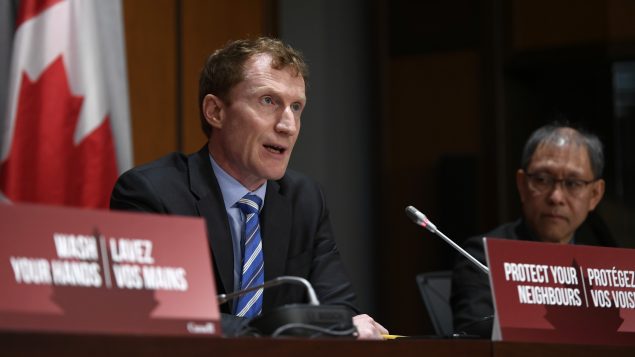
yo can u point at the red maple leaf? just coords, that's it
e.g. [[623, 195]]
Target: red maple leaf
[[44, 165]]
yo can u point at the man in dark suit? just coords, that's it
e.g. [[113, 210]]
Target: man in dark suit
[[252, 93], [560, 184]]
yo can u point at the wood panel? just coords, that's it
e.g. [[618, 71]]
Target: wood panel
[[621, 14], [544, 23], [151, 54], [61, 344], [58, 344]]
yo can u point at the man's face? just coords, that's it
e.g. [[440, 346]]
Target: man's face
[[556, 213], [255, 129]]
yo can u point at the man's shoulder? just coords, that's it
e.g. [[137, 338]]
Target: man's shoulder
[[509, 230], [175, 161], [163, 174], [300, 190], [174, 166], [163, 185], [293, 176], [294, 180]]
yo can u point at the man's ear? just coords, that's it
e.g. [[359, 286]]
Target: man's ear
[[597, 192], [213, 110], [521, 185]]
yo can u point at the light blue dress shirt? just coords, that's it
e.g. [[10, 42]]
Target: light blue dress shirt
[[232, 191]]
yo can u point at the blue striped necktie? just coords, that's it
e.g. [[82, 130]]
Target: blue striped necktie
[[250, 304]]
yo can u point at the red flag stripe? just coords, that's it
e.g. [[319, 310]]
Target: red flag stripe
[[30, 9]]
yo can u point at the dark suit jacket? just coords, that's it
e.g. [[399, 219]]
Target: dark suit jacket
[[471, 299], [296, 229]]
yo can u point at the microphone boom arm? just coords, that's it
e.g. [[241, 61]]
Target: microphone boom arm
[[420, 219], [313, 300]]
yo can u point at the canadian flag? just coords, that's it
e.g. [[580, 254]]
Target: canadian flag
[[65, 131]]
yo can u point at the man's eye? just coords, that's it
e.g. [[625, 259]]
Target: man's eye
[[296, 107], [543, 179], [267, 100], [574, 184]]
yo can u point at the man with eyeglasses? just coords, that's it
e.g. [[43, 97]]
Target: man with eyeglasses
[[560, 183]]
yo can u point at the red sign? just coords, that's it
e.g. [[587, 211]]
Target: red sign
[[78, 270], [546, 292]]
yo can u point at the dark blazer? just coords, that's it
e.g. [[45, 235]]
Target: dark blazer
[[471, 298], [296, 230]]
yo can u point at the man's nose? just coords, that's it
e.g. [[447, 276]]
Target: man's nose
[[557, 192], [287, 123]]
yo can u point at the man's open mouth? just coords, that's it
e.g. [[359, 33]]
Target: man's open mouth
[[275, 149]]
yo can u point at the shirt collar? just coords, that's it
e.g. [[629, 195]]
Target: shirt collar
[[231, 189]]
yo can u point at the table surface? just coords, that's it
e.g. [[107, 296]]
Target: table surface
[[62, 344]]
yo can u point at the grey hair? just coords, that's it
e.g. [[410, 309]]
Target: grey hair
[[556, 133]]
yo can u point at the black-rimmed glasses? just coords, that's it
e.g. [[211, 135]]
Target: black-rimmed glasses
[[542, 183]]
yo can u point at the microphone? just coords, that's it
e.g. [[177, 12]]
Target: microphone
[[313, 300], [307, 320], [420, 219]]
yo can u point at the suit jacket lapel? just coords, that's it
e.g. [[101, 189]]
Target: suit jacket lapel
[[210, 206], [276, 221], [275, 224]]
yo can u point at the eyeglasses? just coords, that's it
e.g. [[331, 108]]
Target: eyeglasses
[[543, 183]]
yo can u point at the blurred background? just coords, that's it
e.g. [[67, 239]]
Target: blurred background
[[423, 103]]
